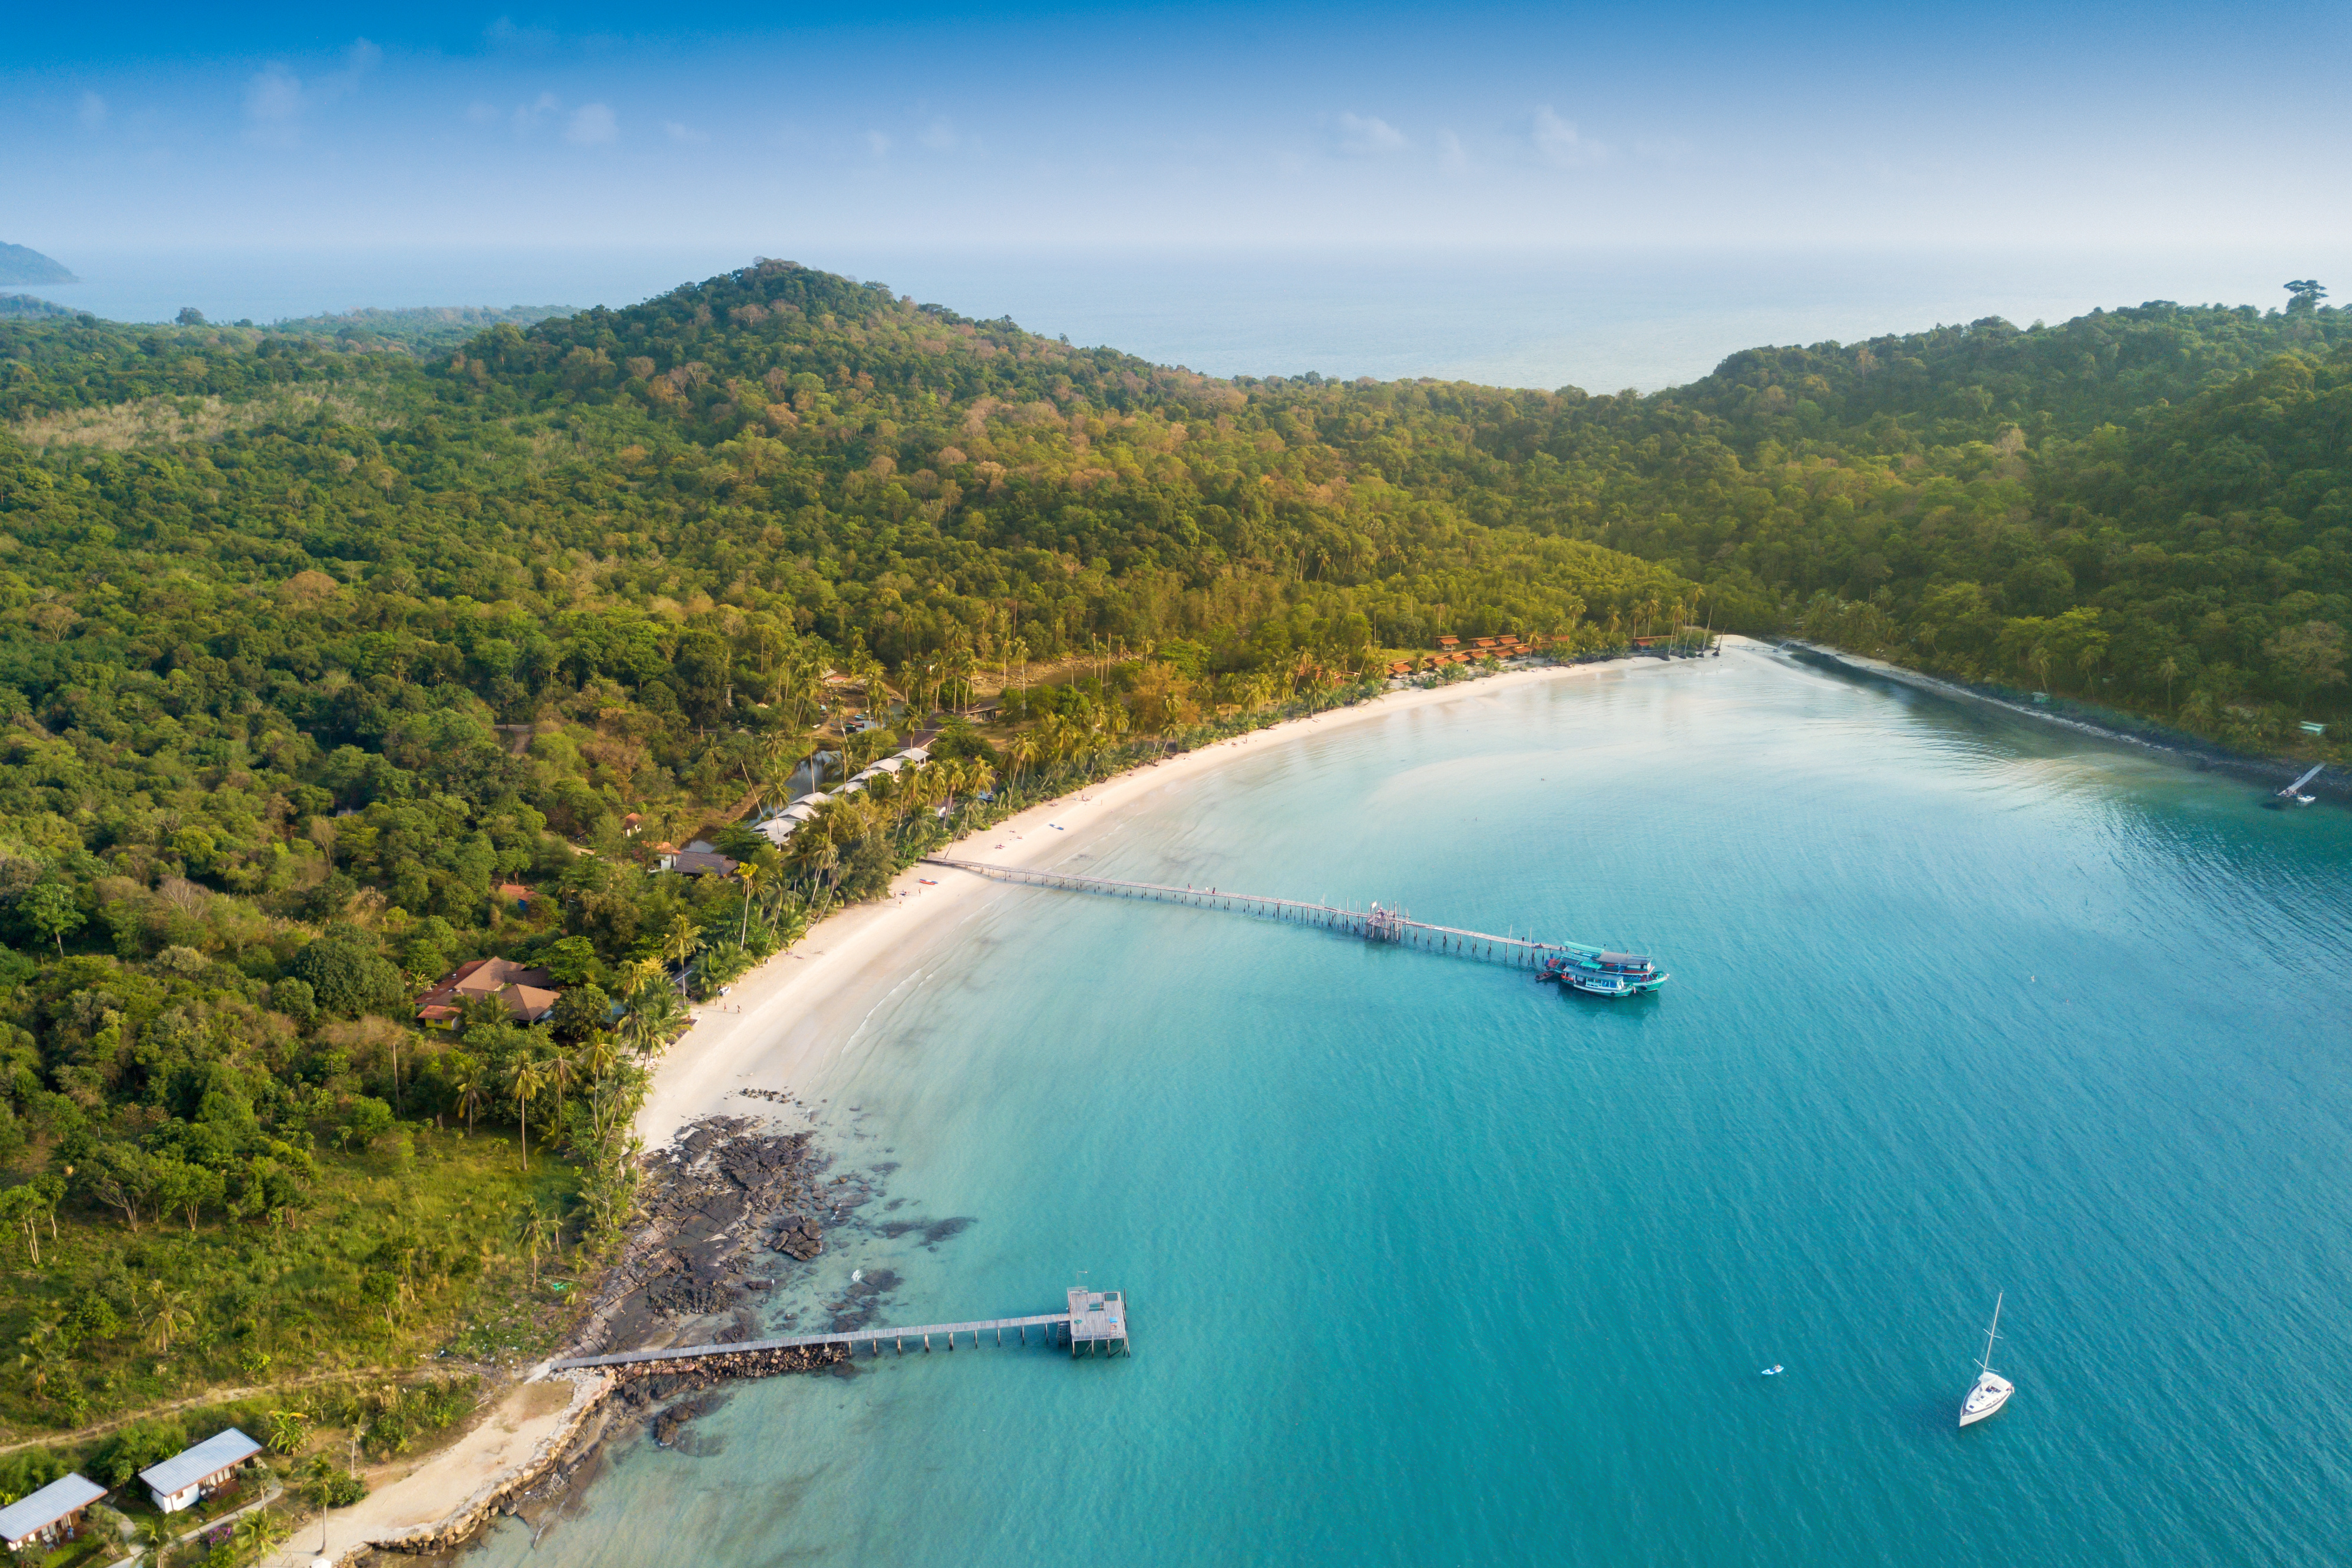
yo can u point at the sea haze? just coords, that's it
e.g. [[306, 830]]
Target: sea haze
[[1600, 320], [1429, 1264]]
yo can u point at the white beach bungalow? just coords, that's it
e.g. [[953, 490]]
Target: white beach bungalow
[[50, 1515], [194, 1474]]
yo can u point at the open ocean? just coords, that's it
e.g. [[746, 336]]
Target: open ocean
[[1604, 320], [1429, 1264]]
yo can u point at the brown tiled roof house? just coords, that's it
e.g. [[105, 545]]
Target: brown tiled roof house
[[530, 994]]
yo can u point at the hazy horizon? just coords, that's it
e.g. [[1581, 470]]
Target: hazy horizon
[[1603, 318]]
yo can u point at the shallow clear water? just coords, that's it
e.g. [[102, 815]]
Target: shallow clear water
[[1429, 1264]]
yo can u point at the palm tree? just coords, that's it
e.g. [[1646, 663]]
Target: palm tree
[[152, 1538], [258, 1532], [814, 848], [473, 1090], [2169, 672], [959, 670], [527, 1080], [948, 776], [537, 1236], [652, 1022], [681, 941], [749, 873], [41, 1352], [598, 1055], [1023, 752], [635, 977], [563, 1072], [172, 1316]]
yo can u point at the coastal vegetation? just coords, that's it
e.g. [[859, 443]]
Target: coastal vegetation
[[335, 656]]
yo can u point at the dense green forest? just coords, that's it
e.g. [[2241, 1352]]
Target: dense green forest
[[332, 657]]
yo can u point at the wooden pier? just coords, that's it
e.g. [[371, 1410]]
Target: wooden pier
[[1094, 1325], [1374, 924]]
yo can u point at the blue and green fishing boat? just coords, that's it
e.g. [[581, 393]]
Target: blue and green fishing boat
[[1600, 973]]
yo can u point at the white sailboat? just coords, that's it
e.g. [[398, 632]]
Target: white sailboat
[[1992, 1390], [2295, 792]]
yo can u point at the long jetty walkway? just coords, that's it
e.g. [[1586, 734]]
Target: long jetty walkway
[[1374, 925], [1095, 1322]]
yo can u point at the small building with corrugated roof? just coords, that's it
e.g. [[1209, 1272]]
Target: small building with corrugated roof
[[50, 1515], [194, 1474]]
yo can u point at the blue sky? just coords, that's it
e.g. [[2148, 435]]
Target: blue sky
[[788, 130]]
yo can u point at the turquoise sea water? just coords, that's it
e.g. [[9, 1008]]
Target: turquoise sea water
[[1429, 1264]]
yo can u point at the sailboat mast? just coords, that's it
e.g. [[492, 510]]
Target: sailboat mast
[[1993, 1333]]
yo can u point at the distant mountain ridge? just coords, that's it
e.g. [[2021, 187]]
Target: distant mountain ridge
[[420, 327], [20, 264]]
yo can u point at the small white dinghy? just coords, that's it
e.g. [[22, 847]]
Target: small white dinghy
[[1992, 1390]]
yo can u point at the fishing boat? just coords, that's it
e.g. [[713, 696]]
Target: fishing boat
[[1992, 1390], [2293, 794], [1597, 973]]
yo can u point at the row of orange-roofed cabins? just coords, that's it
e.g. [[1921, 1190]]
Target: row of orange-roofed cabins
[[55, 1514], [1455, 650]]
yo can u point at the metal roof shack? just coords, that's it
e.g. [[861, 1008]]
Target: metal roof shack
[[197, 1472], [53, 1513]]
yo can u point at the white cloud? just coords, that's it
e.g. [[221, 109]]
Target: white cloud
[[940, 137], [528, 116], [503, 34], [273, 107], [878, 143], [592, 125], [277, 100], [93, 112], [1452, 156], [683, 135], [1369, 136], [1557, 144]]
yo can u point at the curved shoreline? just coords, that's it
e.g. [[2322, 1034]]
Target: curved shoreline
[[791, 1018]]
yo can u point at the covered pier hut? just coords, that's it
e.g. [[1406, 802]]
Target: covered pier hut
[[50, 1515], [192, 1475]]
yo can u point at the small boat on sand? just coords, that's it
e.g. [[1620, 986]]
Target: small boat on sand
[[1992, 1390]]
